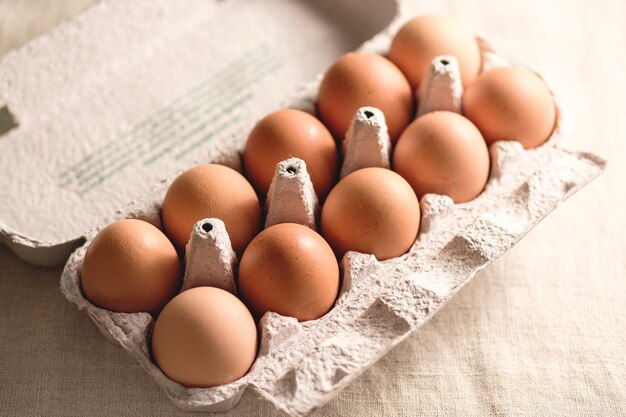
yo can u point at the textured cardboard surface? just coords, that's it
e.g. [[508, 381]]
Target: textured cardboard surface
[[367, 142], [442, 88], [301, 366], [209, 257], [291, 197], [116, 101]]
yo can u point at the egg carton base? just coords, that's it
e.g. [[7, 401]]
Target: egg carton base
[[301, 366]]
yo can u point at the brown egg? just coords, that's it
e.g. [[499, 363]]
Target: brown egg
[[372, 210], [204, 337], [130, 267], [212, 191], [361, 79], [285, 134], [511, 103], [443, 153], [425, 37], [289, 269]]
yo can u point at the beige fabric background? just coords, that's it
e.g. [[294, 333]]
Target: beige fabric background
[[540, 332]]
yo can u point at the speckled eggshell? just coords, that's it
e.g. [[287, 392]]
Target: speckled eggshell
[[286, 134], [511, 103], [360, 79], [289, 269], [131, 267], [372, 210], [204, 337], [216, 191]]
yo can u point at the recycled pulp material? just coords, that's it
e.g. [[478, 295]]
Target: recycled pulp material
[[291, 197], [300, 366], [367, 141], [209, 257], [107, 107], [442, 88]]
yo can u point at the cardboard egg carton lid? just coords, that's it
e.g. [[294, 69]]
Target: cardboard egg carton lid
[[108, 106]]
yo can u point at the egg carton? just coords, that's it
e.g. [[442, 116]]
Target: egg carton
[[302, 365]]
